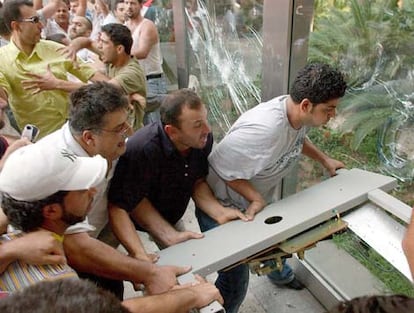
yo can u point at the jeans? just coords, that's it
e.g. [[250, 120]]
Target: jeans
[[233, 283], [156, 88], [280, 277]]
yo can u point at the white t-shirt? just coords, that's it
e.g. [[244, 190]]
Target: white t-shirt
[[260, 147], [98, 216]]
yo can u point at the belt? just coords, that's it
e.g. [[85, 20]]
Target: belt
[[153, 76]]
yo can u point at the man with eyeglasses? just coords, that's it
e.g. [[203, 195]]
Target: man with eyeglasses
[[27, 55], [98, 124]]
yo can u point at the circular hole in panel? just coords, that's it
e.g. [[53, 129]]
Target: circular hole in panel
[[273, 220]]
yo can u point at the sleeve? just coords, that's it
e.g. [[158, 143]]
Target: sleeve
[[133, 178], [132, 80], [83, 71], [4, 83], [82, 227], [243, 152]]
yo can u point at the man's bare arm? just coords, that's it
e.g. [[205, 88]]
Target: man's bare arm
[[148, 37], [89, 255], [152, 221], [126, 233], [176, 301], [207, 202]]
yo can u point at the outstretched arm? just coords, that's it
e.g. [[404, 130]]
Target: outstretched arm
[[310, 150], [89, 255], [126, 233], [207, 202], [176, 301], [152, 221]]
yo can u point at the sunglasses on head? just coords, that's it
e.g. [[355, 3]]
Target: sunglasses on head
[[33, 19]]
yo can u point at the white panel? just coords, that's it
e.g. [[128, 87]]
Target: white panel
[[382, 233], [236, 240]]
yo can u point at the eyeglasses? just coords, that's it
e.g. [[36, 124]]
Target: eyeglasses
[[33, 19], [123, 131]]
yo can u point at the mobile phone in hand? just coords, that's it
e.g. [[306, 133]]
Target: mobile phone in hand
[[30, 132]]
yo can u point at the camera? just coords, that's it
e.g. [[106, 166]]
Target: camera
[[30, 132]]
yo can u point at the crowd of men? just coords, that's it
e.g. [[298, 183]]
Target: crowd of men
[[83, 188]]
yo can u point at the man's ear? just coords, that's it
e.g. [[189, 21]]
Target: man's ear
[[120, 49], [170, 130], [52, 211], [305, 105], [88, 137], [14, 25]]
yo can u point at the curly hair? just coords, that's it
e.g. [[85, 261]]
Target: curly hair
[[318, 83], [28, 216]]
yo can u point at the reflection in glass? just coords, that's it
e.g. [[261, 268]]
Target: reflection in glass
[[226, 44], [371, 41]]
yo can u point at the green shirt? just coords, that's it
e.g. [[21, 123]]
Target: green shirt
[[48, 110], [132, 80]]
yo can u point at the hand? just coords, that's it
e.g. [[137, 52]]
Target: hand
[[332, 165], [71, 50], [40, 83], [178, 237], [142, 101], [39, 247], [149, 257], [255, 207], [206, 293], [228, 214], [164, 278]]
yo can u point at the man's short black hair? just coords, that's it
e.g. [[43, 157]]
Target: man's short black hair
[[119, 35], [91, 103], [11, 11], [319, 83], [28, 216], [173, 104]]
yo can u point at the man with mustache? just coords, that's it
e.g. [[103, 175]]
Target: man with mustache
[[164, 166], [49, 188]]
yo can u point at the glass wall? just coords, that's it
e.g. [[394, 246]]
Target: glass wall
[[225, 55], [372, 43]]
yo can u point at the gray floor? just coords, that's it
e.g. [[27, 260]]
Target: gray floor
[[262, 297]]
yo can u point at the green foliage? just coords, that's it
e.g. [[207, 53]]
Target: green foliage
[[375, 263], [372, 43]]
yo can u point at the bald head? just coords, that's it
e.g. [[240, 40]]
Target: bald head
[[80, 27]]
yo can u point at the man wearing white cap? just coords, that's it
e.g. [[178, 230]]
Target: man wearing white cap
[[50, 188], [98, 124]]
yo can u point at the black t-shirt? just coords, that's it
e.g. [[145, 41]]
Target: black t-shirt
[[153, 168]]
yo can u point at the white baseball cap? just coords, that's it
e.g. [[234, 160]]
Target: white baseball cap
[[37, 171]]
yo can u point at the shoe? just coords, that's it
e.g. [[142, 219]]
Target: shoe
[[295, 284]]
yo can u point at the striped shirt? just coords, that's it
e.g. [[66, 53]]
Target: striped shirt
[[19, 275]]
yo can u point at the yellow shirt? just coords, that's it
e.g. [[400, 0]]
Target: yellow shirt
[[48, 110]]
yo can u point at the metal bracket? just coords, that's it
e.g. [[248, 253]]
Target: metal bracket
[[297, 244]]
